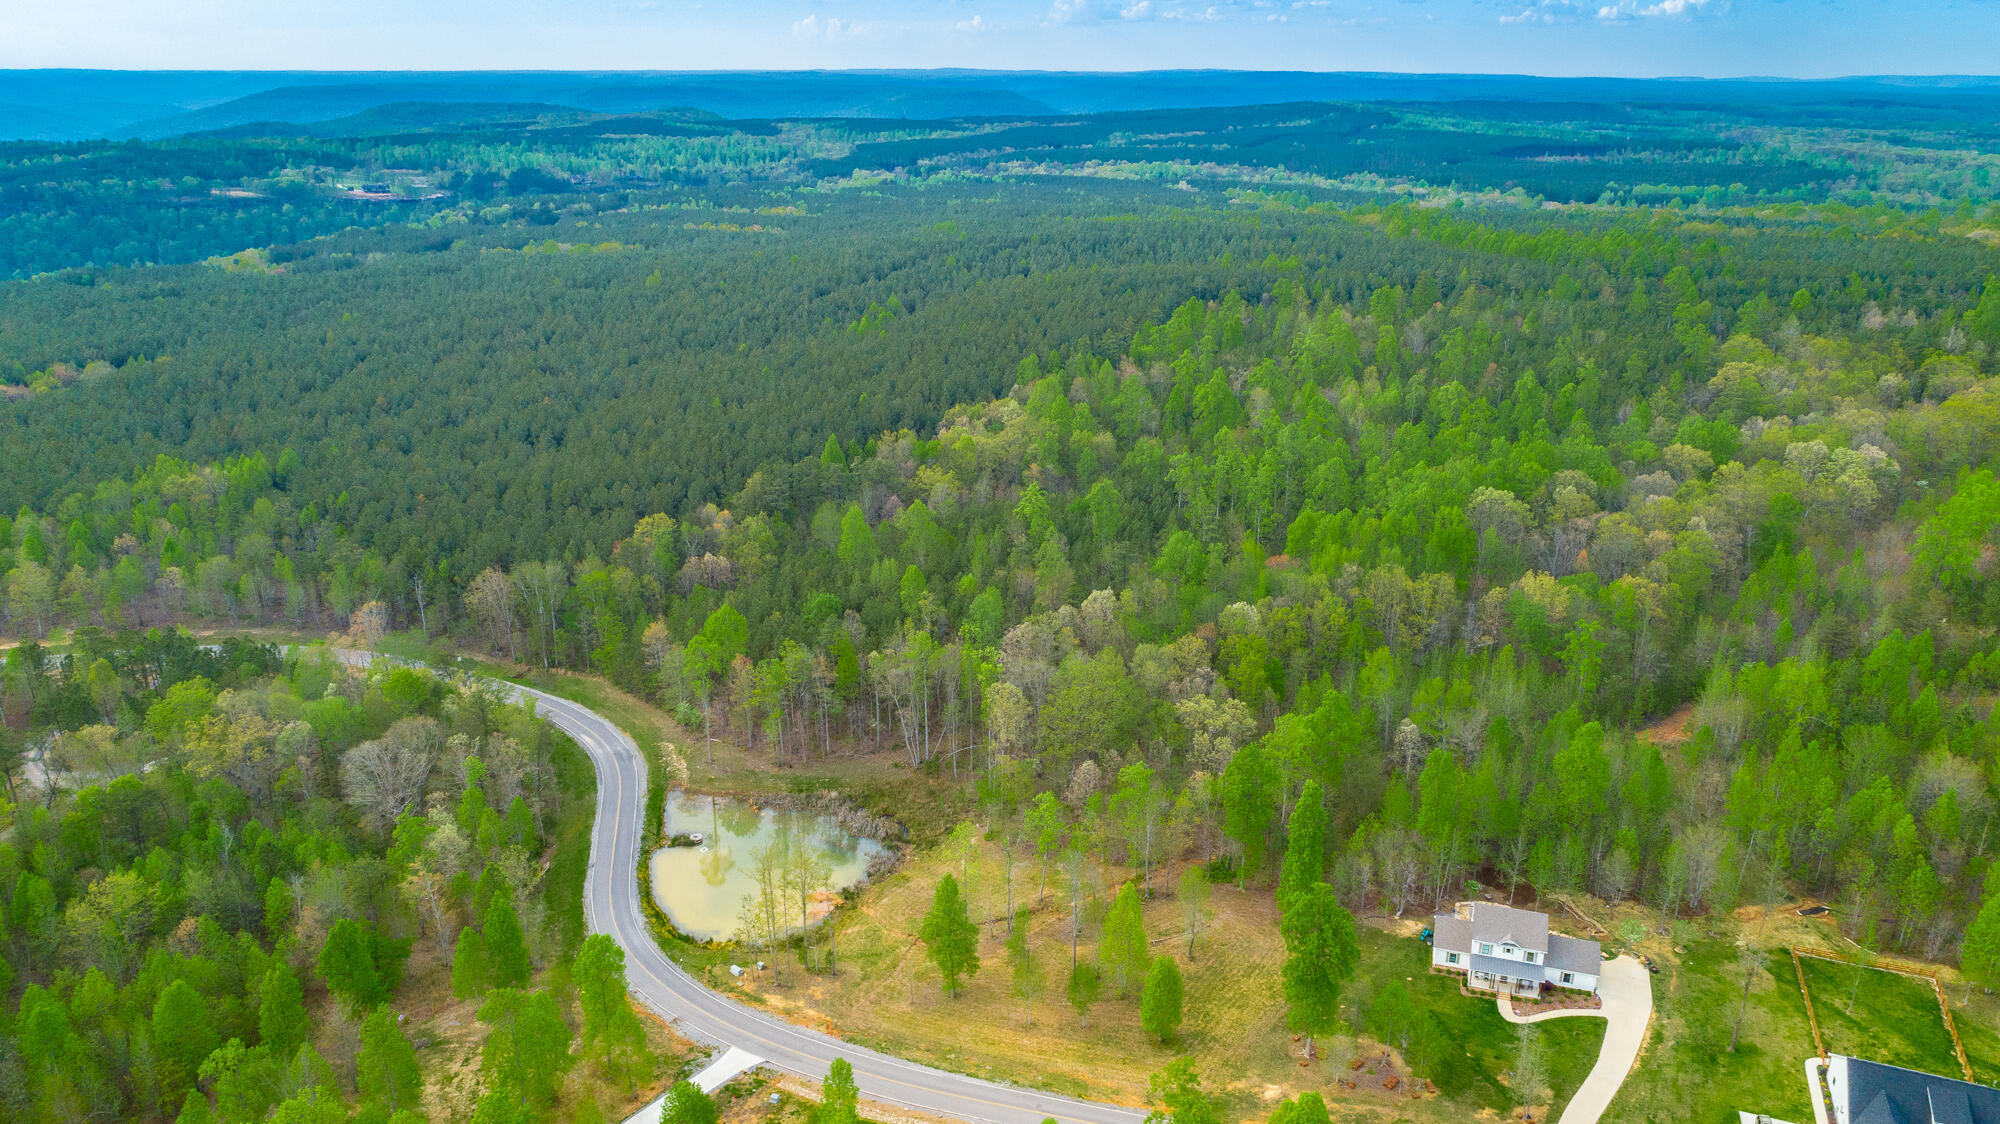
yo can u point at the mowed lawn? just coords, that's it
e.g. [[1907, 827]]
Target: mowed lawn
[[1687, 1071], [1979, 1028], [887, 995], [1491, 1043], [1881, 1016]]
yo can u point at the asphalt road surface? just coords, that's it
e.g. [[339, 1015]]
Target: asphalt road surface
[[611, 905]]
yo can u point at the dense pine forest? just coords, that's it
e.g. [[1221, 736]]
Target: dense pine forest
[[1625, 542]]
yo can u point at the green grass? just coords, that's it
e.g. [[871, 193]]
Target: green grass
[[1976, 1028], [1881, 1016], [1688, 1073], [1491, 1043]]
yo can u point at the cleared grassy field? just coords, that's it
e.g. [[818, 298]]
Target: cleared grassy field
[[887, 995], [1687, 1071], [1882, 1016]]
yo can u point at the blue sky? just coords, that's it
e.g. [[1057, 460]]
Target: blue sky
[[1717, 38]]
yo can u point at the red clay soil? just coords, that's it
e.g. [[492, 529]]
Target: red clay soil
[[1671, 730]]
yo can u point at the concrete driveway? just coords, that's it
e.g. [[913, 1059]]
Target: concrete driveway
[[1626, 989]]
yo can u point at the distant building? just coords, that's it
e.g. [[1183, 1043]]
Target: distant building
[[1511, 951], [1872, 1093]]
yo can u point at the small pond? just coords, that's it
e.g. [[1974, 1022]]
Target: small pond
[[702, 888]]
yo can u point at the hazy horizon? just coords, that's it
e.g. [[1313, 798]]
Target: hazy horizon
[[1544, 38]]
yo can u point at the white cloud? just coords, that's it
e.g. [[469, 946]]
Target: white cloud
[[829, 29], [1126, 11], [974, 25], [1547, 12], [1075, 11], [1632, 9]]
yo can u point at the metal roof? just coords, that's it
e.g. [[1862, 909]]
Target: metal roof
[[1512, 969]]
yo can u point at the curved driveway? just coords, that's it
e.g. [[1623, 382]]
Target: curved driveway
[[1626, 991], [611, 906]]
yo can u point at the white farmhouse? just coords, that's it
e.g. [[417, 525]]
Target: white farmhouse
[[1511, 951]]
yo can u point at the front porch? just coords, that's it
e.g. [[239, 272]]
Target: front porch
[[1490, 983], [1499, 983]]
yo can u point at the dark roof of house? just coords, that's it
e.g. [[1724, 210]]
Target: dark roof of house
[[1500, 924], [1494, 924], [1451, 932], [1950, 1105], [1569, 954], [1889, 1094]]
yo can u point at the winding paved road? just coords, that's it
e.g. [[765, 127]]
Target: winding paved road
[[611, 906]]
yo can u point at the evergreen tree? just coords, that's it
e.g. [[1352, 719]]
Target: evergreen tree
[[470, 973], [347, 965], [950, 935], [282, 1024], [506, 945], [610, 1027], [1160, 1003], [386, 1065], [183, 1035], [1085, 984], [1321, 952], [1305, 845], [527, 1049], [1122, 948], [1979, 955]]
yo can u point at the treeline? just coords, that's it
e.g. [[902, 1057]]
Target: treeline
[[228, 862]]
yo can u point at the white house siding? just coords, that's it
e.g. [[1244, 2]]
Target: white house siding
[[1580, 982]]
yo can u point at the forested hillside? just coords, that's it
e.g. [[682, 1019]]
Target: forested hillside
[[264, 864]]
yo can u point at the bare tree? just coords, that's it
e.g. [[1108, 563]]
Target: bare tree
[[490, 600], [386, 777], [1750, 959]]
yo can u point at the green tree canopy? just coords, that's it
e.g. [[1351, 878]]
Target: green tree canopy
[[950, 935]]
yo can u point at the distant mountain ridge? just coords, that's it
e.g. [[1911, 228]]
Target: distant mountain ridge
[[65, 105]]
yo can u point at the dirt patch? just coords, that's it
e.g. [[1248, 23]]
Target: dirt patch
[[1670, 730]]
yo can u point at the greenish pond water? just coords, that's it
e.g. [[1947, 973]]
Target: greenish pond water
[[702, 889]]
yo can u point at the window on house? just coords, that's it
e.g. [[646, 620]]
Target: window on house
[[1451, 957], [1568, 978], [1485, 949], [1531, 958]]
